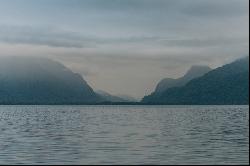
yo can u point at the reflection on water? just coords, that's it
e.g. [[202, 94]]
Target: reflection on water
[[124, 134]]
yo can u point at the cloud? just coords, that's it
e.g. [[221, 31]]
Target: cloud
[[48, 36], [204, 42], [215, 8], [55, 37]]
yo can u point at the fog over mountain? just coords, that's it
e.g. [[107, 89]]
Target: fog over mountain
[[29, 80], [126, 46]]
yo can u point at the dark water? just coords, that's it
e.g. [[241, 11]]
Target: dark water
[[124, 134]]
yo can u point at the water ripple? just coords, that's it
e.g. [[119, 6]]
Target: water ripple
[[124, 134]]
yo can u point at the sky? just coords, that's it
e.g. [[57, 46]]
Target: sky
[[126, 46]]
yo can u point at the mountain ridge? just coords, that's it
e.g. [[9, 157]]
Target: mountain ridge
[[228, 84], [26, 80], [193, 72]]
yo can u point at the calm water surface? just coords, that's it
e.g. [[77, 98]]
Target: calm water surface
[[124, 134]]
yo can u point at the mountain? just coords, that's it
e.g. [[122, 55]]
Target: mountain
[[193, 72], [128, 98], [166, 83], [29, 80], [228, 84], [110, 98]]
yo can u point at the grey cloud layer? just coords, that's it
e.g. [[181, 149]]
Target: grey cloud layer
[[59, 38], [41, 36]]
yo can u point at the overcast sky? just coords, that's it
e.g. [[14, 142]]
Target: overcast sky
[[126, 46]]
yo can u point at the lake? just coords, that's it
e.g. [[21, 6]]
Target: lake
[[124, 134]]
